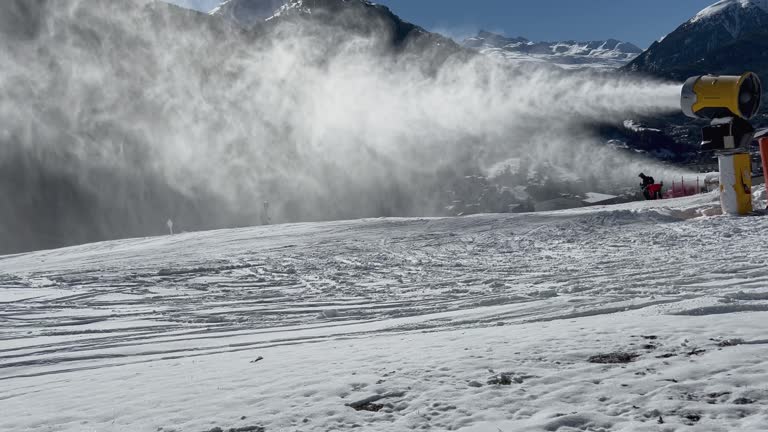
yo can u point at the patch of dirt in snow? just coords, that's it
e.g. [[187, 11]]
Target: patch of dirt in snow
[[614, 358], [239, 429]]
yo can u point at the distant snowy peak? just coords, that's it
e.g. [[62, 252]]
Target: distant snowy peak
[[610, 53], [485, 39], [735, 16], [248, 12], [726, 6], [351, 17], [309, 7]]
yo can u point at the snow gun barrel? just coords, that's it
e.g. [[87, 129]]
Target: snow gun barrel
[[722, 96]]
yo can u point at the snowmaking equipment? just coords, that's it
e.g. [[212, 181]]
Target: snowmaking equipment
[[729, 102]]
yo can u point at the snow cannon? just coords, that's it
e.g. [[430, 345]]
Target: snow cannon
[[729, 102], [722, 96]]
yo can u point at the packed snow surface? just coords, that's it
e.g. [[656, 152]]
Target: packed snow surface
[[638, 317]]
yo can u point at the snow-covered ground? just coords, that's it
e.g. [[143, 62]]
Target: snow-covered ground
[[484, 323]]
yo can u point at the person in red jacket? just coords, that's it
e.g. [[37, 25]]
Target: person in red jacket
[[651, 190]]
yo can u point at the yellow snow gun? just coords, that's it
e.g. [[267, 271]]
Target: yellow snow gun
[[729, 101]]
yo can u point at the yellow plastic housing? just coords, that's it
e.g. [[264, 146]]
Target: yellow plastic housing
[[717, 96], [736, 184]]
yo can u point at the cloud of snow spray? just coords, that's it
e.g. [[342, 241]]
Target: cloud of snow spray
[[121, 98]]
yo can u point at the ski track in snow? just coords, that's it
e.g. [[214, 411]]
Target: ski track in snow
[[162, 334]]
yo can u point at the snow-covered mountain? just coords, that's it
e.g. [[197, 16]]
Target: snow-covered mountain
[[730, 36], [359, 17], [724, 7], [251, 12], [248, 12], [567, 54]]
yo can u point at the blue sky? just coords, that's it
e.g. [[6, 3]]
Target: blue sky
[[637, 21]]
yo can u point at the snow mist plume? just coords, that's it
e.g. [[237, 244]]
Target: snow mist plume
[[156, 112]]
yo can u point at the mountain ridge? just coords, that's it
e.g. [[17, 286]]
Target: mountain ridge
[[247, 13], [728, 37], [607, 54]]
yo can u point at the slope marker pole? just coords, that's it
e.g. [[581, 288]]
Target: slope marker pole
[[764, 157]]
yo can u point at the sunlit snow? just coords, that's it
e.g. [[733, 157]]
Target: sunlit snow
[[485, 323]]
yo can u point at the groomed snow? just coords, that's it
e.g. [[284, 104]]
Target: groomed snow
[[483, 323]]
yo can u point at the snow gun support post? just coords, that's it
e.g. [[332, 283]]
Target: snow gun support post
[[729, 102]]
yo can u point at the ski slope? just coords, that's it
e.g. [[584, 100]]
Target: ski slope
[[483, 323]]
